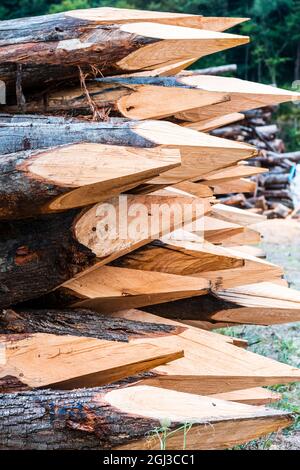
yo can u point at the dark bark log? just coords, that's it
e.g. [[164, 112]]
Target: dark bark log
[[18, 133], [81, 419], [37, 255], [78, 322]]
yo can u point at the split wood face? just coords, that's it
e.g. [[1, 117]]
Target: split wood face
[[38, 255], [77, 175], [104, 49], [134, 99], [106, 417]]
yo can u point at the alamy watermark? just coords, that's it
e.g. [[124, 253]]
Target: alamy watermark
[[125, 219]]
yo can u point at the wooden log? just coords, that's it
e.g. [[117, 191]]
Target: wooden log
[[91, 17], [64, 361], [40, 254], [197, 372], [179, 257], [65, 177], [243, 95], [252, 396], [200, 153], [232, 172], [241, 185], [130, 97], [110, 288], [208, 125], [209, 365], [110, 48], [231, 307], [235, 215], [121, 417], [197, 189]]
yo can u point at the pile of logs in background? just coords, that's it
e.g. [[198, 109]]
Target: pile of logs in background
[[273, 196]]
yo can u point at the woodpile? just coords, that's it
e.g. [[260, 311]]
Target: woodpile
[[274, 168], [105, 333]]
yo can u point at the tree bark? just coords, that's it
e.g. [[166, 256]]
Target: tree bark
[[37, 255], [18, 133], [79, 322]]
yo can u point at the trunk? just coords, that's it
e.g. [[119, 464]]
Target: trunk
[[64, 361], [210, 364], [120, 417], [109, 288], [198, 151], [102, 49], [208, 125], [183, 258], [65, 177], [243, 95], [40, 254], [130, 97]]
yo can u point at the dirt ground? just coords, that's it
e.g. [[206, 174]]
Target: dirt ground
[[281, 243]]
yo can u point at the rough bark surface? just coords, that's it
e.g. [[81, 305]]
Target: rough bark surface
[[19, 133], [81, 419], [37, 255], [79, 322], [21, 194]]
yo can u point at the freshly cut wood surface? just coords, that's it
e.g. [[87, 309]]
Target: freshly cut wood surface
[[75, 175], [131, 97], [252, 396], [91, 17], [232, 308], [179, 257], [68, 362], [236, 215], [197, 189], [111, 48], [207, 125], [130, 414], [244, 95], [200, 153], [231, 173], [40, 254], [241, 185], [263, 303], [210, 366], [109, 288]]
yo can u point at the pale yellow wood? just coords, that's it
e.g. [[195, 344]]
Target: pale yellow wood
[[108, 15], [91, 172], [250, 396], [179, 44], [244, 95], [210, 366], [200, 153], [108, 288], [207, 125], [196, 189], [66, 362], [232, 172], [107, 244], [241, 185], [236, 215], [180, 257], [148, 101], [192, 333]]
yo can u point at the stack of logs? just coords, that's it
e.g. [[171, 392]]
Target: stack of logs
[[105, 339], [272, 193]]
